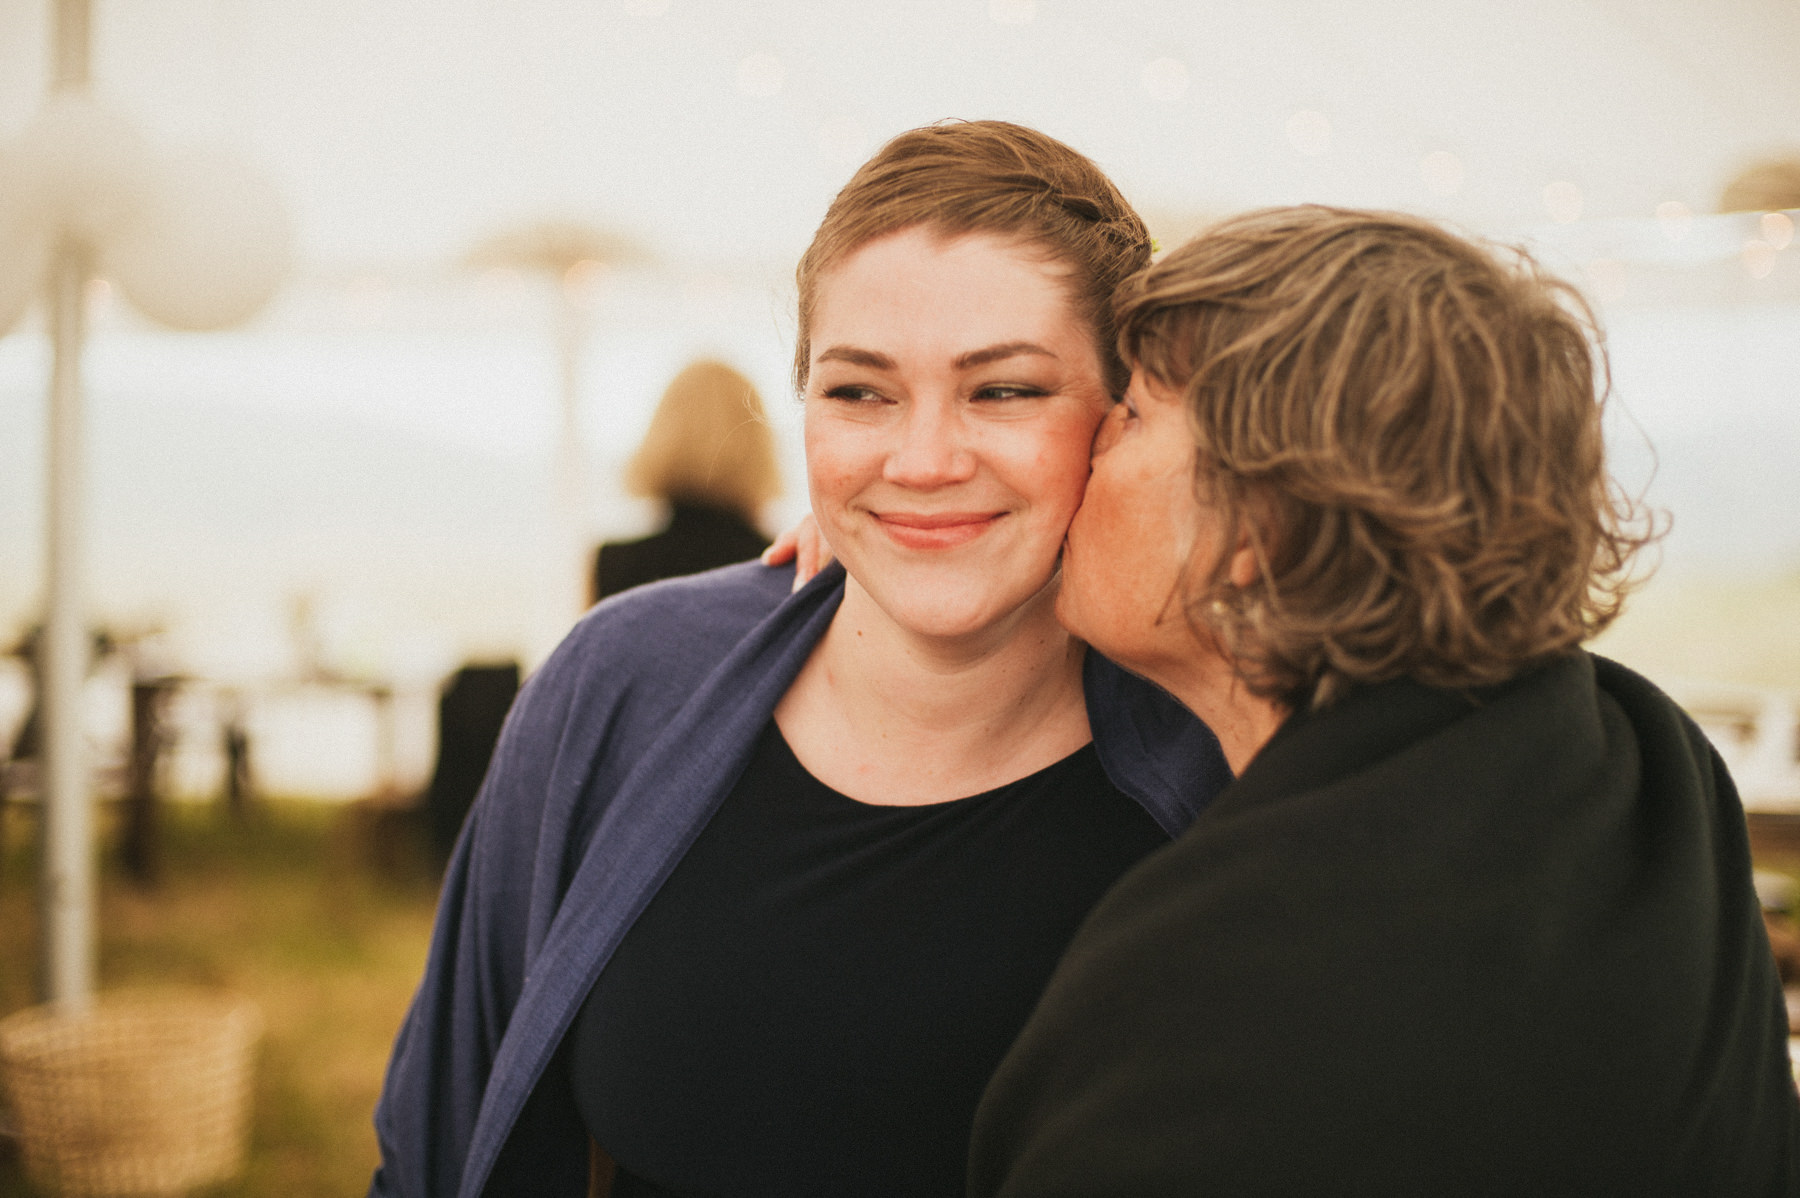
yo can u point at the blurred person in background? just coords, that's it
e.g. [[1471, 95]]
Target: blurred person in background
[[761, 884], [710, 457], [1476, 916]]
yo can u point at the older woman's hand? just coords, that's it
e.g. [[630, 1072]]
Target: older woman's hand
[[805, 546]]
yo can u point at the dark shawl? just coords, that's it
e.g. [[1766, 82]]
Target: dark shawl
[[1429, 943]]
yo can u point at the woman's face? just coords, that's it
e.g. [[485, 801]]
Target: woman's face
[[1140, 525], [951, 403]]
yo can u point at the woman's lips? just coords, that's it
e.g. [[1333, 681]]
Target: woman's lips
[[938, 530]]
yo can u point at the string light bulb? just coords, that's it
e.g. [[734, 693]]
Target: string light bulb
[[1562, 199]]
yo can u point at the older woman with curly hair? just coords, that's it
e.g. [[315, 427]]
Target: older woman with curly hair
[[1476, 915]]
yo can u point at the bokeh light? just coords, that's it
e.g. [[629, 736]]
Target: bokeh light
[[1675, 218], [1777, 229], [1165, 79], [581, 282], [1608, 278], [1759, 258], [760, 75], [1442, 172], [1562, 200], [1309, 132]]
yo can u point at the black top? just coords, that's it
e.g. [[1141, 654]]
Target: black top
[[813, 1001], [698, 537], [1429, 943]]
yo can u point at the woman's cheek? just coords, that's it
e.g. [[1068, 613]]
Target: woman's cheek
[[833, 461], [1070, 459]]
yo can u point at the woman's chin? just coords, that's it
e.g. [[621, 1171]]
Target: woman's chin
[[1108, 630], [951, 623], [953, 614]]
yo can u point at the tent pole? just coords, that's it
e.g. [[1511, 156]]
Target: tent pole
[[70, 56], [66, 938], [68, 870]]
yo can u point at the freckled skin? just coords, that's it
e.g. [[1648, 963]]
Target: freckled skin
[[951, 403], [945, 486]]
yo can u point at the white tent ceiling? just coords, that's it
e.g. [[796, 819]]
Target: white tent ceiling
[[712, 131], [375, 439]]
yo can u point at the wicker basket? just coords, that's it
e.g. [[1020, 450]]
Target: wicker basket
[[146, 1094]]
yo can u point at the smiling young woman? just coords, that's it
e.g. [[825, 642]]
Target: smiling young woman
[[761, 885], [949, 410]]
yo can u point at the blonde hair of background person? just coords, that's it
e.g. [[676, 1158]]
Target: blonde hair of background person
[[708, 442], [761, 884], [1476, 915], [709, 455]]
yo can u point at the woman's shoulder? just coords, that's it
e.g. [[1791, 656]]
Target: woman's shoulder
[[625, 670], [1658, 721], [683, 614], [656, 640]]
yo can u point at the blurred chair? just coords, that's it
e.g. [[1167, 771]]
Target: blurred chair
[[470, 712]]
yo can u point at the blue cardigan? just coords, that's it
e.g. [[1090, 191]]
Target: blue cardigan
[[614, 757]]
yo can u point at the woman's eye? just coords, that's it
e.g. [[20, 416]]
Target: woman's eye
[[852, 393], [1007, 391]]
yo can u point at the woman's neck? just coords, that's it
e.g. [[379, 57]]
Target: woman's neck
[[1212, 690], [888, 716]]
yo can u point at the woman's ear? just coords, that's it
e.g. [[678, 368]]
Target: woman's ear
[[1249, 558], [1242, 569]]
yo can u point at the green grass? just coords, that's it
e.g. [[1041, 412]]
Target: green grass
[[297, 911]]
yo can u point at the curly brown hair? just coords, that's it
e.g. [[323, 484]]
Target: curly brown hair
[[961, 177], [1406, 429]]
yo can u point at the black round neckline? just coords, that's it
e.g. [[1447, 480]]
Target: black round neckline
[[787, 760]]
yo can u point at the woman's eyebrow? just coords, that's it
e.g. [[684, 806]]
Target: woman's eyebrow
[[996, 353], [857, 357]]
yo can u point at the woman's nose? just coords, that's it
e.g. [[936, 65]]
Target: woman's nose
[[931, 449], [1109, 430]]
